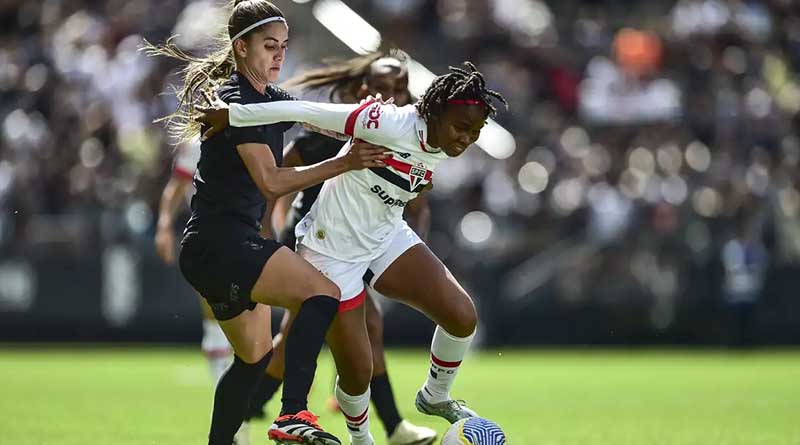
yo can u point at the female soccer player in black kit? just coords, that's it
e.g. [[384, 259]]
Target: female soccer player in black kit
[[223, 257], [349, 81]]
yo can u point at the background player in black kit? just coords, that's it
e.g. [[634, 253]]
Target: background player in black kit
[[349, 81], [224, 257]]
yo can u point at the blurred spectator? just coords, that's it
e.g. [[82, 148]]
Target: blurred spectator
[[745, 259]]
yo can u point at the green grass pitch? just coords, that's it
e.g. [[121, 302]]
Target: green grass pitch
[[142, 396]]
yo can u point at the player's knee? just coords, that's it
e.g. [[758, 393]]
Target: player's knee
[[463, 319], [255, 353], [356, 379]]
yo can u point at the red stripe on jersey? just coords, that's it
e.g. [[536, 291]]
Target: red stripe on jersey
[[354, 302], [350, 124], [421, 139], [405, 168], [182, 173], [445, 364], [358, 418]]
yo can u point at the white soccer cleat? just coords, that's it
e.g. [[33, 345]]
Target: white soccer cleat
[[242, 436], [451, 410], [407, 433]]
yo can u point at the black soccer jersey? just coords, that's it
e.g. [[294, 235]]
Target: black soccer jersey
[[312, 148], [225, 190]]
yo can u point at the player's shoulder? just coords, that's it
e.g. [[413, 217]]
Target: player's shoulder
[[276, 93], [230, 91], [390, 115]]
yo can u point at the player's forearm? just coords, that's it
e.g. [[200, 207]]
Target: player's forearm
[[171, 198], [418, 216], [294, 179], [331, 117], [280, 210]]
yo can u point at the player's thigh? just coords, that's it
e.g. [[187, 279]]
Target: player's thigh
[[349, 344], [375, 331], [250, 333], [208, 314], [346, 275], [433, 289], [287, 280]]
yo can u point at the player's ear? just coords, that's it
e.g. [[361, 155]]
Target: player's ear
[[240, 47]]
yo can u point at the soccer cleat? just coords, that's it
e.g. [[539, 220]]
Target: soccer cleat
[[406, 433], [451, 410], [300, 428], [242, 436]]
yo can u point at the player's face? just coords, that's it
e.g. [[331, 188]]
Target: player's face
[[388, 85], [459, 127], [266, 50]]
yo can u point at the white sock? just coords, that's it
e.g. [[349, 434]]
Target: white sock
[[216, 348], [356, 413], [447, 352]]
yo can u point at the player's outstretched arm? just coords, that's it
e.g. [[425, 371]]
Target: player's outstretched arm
[[338, 118], [274, 181]]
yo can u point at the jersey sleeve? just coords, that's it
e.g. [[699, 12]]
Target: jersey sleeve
[[370, 121], [239, 135], [277, 94], [186, 159]]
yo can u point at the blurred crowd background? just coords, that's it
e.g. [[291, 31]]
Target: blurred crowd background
[[652, 196]]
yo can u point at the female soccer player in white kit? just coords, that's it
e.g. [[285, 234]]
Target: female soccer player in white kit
[[356, 227]]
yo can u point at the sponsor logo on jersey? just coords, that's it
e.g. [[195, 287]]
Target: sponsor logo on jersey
[[372, 117], [403, 155], [388, 200]]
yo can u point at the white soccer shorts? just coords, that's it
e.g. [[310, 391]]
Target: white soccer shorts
[[350, 276]]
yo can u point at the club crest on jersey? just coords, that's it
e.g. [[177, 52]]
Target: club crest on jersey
[[416, 175]]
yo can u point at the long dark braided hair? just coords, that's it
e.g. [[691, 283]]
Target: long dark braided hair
[[467, 84]]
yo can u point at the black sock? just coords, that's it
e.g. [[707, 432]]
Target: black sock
[[303, 343], [232, 398], [266, 388], [383, 398]]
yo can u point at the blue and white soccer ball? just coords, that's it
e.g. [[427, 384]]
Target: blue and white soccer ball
[[474, 431]]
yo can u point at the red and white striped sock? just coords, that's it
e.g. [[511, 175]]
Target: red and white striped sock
[[356, 413], [447, 352]]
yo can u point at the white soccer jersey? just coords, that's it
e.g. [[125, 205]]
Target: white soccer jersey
[[358, 213], [186, 159]]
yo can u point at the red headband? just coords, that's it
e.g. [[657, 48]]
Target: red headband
[[466, 102]]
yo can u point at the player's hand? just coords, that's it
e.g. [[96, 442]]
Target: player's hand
[[365, 155], [377, 98], [165, 245], [214, 114]]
